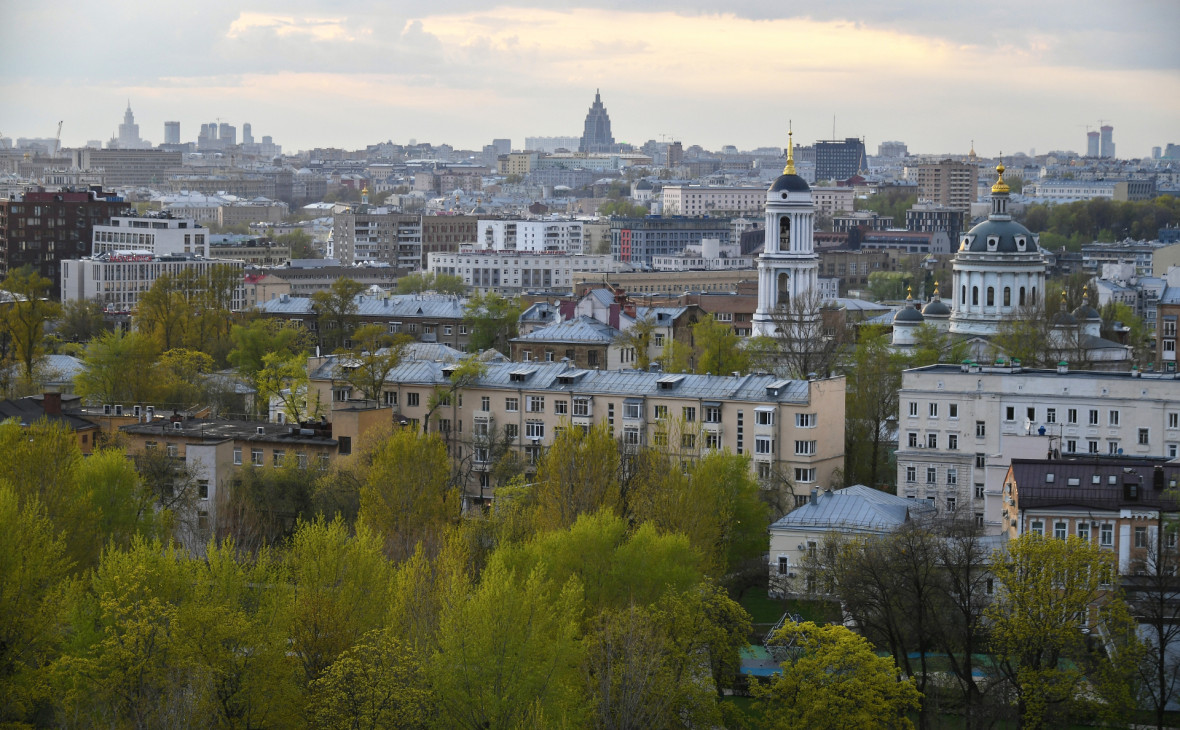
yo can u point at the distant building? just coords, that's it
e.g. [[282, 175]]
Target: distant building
[[709, 255], [377, 235], [424, 317], [1092, 148], [1107, 143], [892, 149], [596, 134], [553, 236], [171, 132], [445, 233], [129, 167], [513, 272], [832, 201], [713, 200], [157, 236], [839, 160], [551, 144], [933, 217], [637, 240], [128, 137], [119, 279], [949, 184]]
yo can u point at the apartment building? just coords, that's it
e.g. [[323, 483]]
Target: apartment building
[[377, 235], [793, 430], [445, 233], [714, 200], [551, 236], [949, 184], [513, 272], [637, 240], [832, 201], [118, 280], [959, 426], [159, 235], [425, 317]]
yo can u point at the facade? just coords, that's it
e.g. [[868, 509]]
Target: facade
[[377, 236], [1167, 315], [253, 250], [910, 242], [931, 218], [129, 167], [156, 236], [707, 200], [424, 317], [949, 184], [833, 201], [960, 423], [638, 240], [583, 341], [839, 160], [42, 229], [513, 272], [552, 236], [670, 283], [788, 267], [596, 134], [1106, 148], [118, 280], [171, 132], [308, 276], [709, 255], [1120, 504], [445, 233], [793, 429], [1092, 144], [251, 211]]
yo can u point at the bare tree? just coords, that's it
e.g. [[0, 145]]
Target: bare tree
[[1153, 593], [811, 337]]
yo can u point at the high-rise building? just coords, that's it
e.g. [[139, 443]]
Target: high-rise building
[[836, 160], [596, 136], [892, 149], [227, 135], [128, 138], [171, 132], [247, 134], [1091, 144], [1107, 146], [502, 146], [948, 183]]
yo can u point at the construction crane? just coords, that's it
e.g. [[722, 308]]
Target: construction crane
[[57, 141]]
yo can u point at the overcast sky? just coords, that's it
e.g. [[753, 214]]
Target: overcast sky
[[1012, 76]]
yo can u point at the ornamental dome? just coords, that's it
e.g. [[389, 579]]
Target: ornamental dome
[[789, 182], [936, 308], [999, 233], [908, 314]]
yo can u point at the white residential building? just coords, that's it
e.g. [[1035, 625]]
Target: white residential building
[[710, 254], [154, 236], [960, 426], [706, 200], [554, 236], [119, 279], [511, 272]]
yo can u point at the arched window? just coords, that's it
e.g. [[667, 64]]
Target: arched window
[[991, 296], [975, 296], [1033, 297], [784, 233], [1022, 296], [1007, 296]]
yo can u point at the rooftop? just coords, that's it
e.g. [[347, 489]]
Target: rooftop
[[857, 507]]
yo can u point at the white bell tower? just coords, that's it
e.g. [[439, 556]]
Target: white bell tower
[[788, 269]]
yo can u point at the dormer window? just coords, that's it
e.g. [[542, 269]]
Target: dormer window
[[1021, 243], [992, 242]]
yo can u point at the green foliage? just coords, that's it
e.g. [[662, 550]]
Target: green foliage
[[719, 349], [253, 341], [118, 367], [622, 209], [873, 379], [889, 285], [283, 378], [894, 202], [1073, 224], [81, 320], [301, 244], [417, 283], [493, 320], [377, 683], [22, 323], [190, 310], [373, 355], [834, 680], [638, 337], [336, 312], [577, 475]]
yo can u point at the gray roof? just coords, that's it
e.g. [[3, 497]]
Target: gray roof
[[1006, 231], [579, 330], [561, 377], [857, 508], [394, 305], [214, 430]]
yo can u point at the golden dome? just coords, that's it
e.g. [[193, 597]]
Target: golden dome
[[1000, 186], [790, 168]]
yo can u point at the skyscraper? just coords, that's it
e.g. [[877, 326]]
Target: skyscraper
[[1107, 149], [171, 132], [596, 136], [247, 134], [128, 138], [1091, 144]]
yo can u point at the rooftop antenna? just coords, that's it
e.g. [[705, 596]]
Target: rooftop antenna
[[833, 126]]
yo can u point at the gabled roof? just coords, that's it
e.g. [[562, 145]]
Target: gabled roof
[[394, 305], [857, 508], [580, 330], [30, 409]]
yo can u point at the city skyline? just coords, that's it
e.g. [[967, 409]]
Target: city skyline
[[1010, 77]]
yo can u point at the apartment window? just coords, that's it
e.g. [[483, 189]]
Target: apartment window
[[911, 474], [631, 410], [932, 441], [561, 407], [1010, 413], [1071, 446], [237, 457], [481, 455], [1060, 530], [979, 523], [951, 504], [1084, 531], [805, 476], [1112, 447], [979, 491], [485, 403], [784, 565], [1113, 418], [952, 476], [447, 330], [1173, 450], [763, 417], [1140, 537], [805, 420], [765, 445], [1174, 420], [411, 400], [203, 488], [277, 457], [462, 329], [658, 340], [1050, 415], [1037, 527], [688, 440], [512, 405], [256, 457], [1093, 417], [1092, 447], [913, 409], [952, 441], [980, 461], [301, 459], [933, 411], [511, 431], [931, 475], [1106, 535], [805, 448], [952, 410], [535, 403], [660, 413], [659, 438], [631, 435], [390, 398], [980, 429], [912, 439], [712, 440], [172, 450], [1144, 436], [480, 427], [581, 406], [689, 414], [534, 429]]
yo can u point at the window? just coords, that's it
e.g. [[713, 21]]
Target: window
[[763, 417], [301, 459], [658, 340], [1071, 416], [481, 455], [411, 400], [659, 438], [1071, 446], [581, 406], [712, 440], [485, 403], [1010, 413], [1144, 436], [660, 413], [561, 407], [1106, 535], [784, 565], [631, 410], [462, 329], [914, 409], [390, 398], [1113, 418], [1173, 450], [172, 450], [980, 461], [804, 476], [444, 425], [631, 435], [512, 405], [511, 431], [931, 475], [480, 427], [952, 476], [712, 414], [1140, 537], [911, 474], [689, 414], [535, 403], [1084, 531], [952, 441], [951, 504], [688, 440], [1031, 414], [344, 443], [933, 411], [534, 429], [1037, 527], [203, 488], [952, 410], [1174, 420], [932, 441], [913, 439], [237, 457], [256, 457], [1092, 447], [805, 420], [1060, 529], [277, 457], [1093, 417], [979, 491], [1050, 415], [980, 429], [979, 521], [1112, 447], [765, 445], [805, 448]]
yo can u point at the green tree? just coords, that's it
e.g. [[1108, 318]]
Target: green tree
[[164, 313], [873, 380], [336, 312], [1133, 331], [81, 320], [253, 341], [118, 367], [832, 679], [638, 337], [719, 349], [1052, 593], [493, 320], [676, 357], [578, 475], [417, 283], [378, 683], [283, 379], [183, 378], [449, 284], [889, 285], [373, 356], [469, 370], [302, 245], [24, 320]]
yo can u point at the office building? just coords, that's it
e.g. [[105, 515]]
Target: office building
[[171, 132], [712, 200], [839, 160], [130, 167], [118, 280], [596, 134], [159, 235], [637, 240]]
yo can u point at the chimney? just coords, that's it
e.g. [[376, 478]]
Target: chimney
[[815, 495], [51, 404]]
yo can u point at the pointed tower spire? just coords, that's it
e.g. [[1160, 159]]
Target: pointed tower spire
[[790, 168]]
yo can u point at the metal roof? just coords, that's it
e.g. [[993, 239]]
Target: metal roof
[[580, 330], [394, 305], [1035, 490], [857, 507]]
